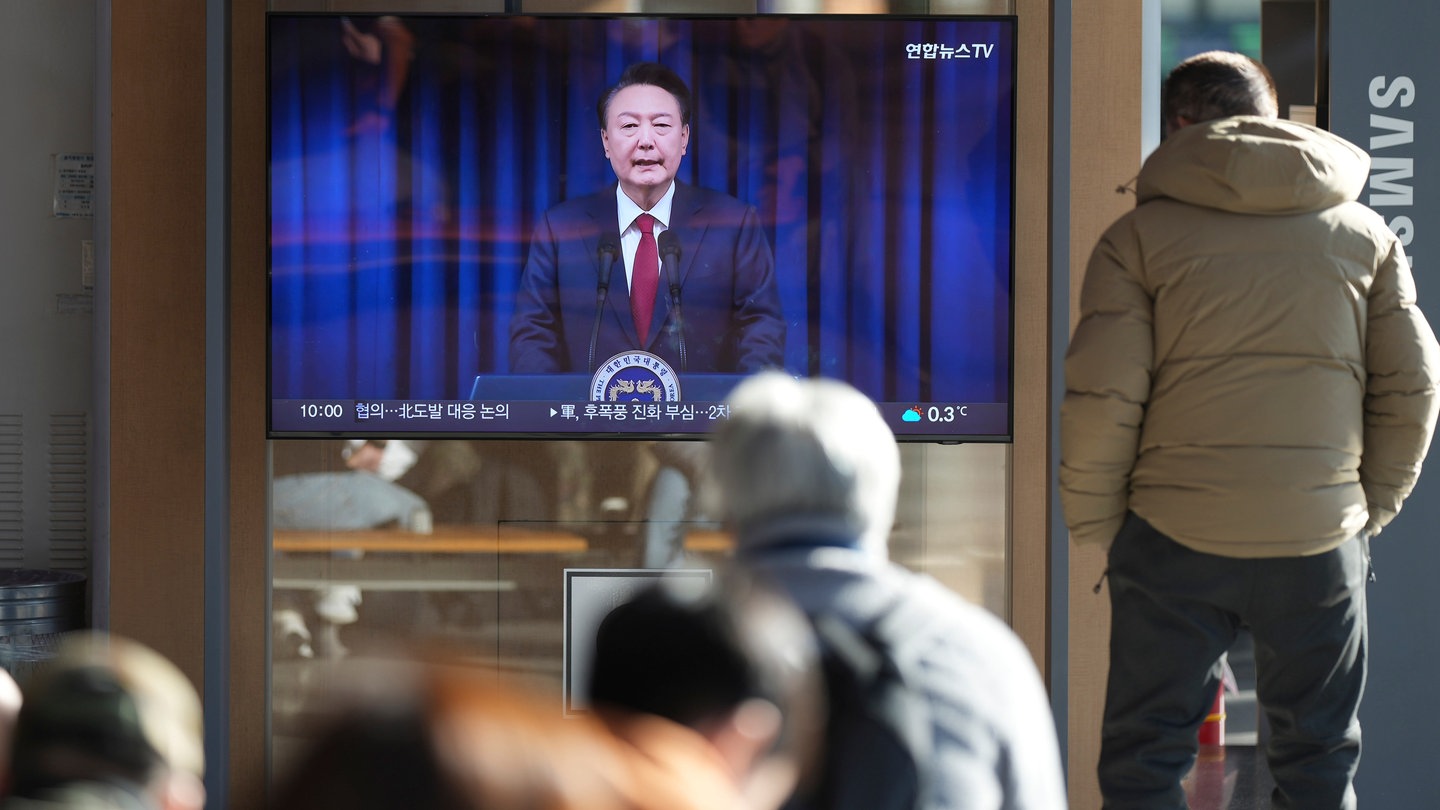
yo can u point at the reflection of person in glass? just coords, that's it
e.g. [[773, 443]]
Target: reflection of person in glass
[[696, 263]]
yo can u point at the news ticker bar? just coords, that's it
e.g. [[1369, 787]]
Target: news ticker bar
[[531, 416]]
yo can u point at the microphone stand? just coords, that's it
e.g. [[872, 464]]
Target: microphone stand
[[670, 257], [608, 250]]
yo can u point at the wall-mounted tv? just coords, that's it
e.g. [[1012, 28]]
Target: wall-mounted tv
[[456, 251]]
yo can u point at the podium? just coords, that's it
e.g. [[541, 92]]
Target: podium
[[694, 387]]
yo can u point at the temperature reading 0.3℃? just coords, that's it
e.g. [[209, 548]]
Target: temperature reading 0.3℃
[[936, 413]]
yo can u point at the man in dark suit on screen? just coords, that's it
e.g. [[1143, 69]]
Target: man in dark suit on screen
[[683, 272]]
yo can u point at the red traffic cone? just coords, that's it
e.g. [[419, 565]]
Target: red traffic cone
[[1212, 731], [1205, 785]]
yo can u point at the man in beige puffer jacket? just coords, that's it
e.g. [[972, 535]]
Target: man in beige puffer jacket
[[1250, 392]]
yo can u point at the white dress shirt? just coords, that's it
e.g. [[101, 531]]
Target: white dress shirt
[[630, 232]]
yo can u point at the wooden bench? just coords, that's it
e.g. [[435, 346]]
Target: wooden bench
[[381, 559]]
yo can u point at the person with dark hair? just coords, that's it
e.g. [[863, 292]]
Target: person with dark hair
[[647, 74], [435, 735], [1250, 392], [107, 724], [807, 475], [731, 666], [608, 272], [439, 734], [1214, 85]]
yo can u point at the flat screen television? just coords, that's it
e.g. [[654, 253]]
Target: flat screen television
[[446, 253]]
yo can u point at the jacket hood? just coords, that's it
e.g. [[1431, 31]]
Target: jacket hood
[[1253, 165]]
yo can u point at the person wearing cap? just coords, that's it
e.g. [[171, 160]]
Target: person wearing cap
[[808, 474], [108, 723]]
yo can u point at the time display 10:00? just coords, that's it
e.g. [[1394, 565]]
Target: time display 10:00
[[321, 410]]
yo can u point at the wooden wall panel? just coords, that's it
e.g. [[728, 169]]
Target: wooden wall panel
[[249, 469], [157, 348], [157, 328], [1105, 152], [1030, 477]]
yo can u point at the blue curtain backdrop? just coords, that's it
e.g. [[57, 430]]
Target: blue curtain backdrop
[[410, 160]]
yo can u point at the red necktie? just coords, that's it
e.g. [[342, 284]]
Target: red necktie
[[644, 278]]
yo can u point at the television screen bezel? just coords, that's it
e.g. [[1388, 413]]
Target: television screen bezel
[[887, 408]]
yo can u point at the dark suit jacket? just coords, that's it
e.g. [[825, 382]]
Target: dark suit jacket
[[728, 298]]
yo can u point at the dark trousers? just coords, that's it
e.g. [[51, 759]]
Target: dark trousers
[[1175, 611]]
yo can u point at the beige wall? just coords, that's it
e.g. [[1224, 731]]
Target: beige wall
[[1029, 494], [1105, 153]]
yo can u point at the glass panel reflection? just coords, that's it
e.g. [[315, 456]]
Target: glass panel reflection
[[461, 546]]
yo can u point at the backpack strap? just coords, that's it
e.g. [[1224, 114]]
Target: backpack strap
[[881, 657], [897, 634]]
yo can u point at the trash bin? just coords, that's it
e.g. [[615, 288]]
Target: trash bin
[[37, 606]]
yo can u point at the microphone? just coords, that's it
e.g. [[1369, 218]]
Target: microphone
[[606, 254], [608, 250], [669, 246]]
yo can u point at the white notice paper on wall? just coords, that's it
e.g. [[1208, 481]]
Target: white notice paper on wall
[[74, 185], [590, 595]]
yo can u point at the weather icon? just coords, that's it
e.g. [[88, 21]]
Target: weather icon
[[912, 415]]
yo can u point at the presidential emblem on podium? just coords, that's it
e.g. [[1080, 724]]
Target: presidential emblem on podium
[[635, 376]]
